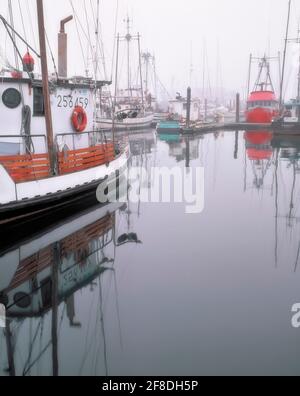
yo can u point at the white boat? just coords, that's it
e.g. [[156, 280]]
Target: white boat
[[50, 149], [132, 121], [290, 120], [131, 108]]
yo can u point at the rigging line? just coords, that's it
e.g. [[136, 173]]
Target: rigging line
[[23, 24], [31, 24], [297, 259], [13, 35], [97, 39], [38, 358], [27, 363], [77, 22], [97, 45], [115, 34], [98, 29], [88, 27], [52, 56]]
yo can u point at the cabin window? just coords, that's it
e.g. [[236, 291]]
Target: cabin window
[[38, 102], [12, 98]]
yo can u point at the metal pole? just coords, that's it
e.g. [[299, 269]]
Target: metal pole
[[249, 76], [128, 38], [284, 54], [46, 91], [188, 108], [141, 73]]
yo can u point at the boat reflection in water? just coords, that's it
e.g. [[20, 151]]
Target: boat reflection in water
[[275, 161], [40, 280], [260, 153], [182, 148]]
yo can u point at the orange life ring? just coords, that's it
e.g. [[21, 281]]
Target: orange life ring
[[79, 119]]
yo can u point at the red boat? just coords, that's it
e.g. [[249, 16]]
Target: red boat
[[262, 104]]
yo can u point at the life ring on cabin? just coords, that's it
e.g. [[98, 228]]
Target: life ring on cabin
[[79, 119]]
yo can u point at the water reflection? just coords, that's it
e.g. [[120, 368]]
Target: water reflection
[[260, 154], [144, 289], [41, 281]]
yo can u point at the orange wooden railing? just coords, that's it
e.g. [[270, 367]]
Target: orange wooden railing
[[78, 160], [24, 168]]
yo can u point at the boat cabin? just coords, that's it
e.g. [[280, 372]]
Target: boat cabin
[[262, 99], [23, 126], [291, 111], [178, 107]]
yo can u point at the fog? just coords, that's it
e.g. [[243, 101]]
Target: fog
[[180, 34]]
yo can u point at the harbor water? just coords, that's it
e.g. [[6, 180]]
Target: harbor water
[[147, 289]]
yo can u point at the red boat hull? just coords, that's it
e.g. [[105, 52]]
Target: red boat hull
[[261, 116]]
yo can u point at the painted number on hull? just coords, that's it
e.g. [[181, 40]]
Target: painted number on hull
[[69, 101]]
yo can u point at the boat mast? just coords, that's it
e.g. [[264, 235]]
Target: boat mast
[[128, 39], [249, 76], [45, 77], [141, 72], [284, 54], [116, 92]]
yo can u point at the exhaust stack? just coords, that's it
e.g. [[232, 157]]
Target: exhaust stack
[[63, 49]]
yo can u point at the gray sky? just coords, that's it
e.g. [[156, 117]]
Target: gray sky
[[170, 28]]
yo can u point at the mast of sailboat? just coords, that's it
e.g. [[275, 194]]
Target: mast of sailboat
[[141, 72], [284, 54], [45, 78], [128, 39], [116, 92]]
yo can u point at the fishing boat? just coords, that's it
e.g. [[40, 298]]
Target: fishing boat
[[50, 149], [178, 109], [262, 104], [132, 107], [290, 120]]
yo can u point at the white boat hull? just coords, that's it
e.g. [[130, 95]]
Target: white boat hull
[[128, 124], [20, 199]]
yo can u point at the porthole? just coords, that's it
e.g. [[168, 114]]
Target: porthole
[[11, 98], [22, 300]]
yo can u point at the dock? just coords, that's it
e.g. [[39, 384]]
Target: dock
[[237, 126]]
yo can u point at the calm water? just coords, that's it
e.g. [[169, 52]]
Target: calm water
[[201, 294]]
